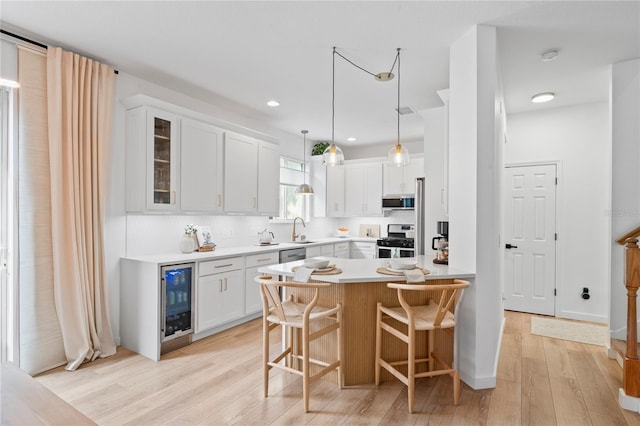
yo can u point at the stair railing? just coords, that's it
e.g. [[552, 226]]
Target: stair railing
[[631, 366]]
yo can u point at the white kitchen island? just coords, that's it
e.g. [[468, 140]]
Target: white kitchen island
[[359, 288]]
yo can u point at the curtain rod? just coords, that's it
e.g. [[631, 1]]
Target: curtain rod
[[44, 46]]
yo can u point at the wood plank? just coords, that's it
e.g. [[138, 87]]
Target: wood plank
[[602, 407], [218, 380], [25, 401]]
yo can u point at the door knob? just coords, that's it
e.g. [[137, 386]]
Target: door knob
[[509, 246]]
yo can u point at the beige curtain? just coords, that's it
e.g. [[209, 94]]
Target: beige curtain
[[80, 104]]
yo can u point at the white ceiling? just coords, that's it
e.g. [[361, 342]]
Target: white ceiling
[[250, 52]]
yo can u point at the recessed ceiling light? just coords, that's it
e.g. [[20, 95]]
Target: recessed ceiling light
[[549, 55], [542, 97], [351, 139], [273, 103]]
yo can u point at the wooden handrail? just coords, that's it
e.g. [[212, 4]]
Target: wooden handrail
[[631, 367], [633, 234]]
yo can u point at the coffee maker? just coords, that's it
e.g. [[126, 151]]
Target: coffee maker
[[440, 243]]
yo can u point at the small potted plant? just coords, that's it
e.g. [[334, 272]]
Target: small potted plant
[[187, 244], [319, 147]]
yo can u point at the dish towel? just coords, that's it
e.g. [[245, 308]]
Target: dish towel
[[302, 274], [414, 275]]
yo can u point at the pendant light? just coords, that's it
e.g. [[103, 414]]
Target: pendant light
[[333, 155], [304, 189], [398, 155]]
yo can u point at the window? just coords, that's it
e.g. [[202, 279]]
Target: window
[[292, 174]]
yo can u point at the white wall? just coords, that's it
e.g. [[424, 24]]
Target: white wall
[[625, 200], [474, 145], [576, 137], [434, 169]]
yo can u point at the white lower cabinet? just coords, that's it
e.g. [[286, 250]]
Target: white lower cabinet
[[322, 250], [363, 250], [252, 298], [341, 250], [220, 292]]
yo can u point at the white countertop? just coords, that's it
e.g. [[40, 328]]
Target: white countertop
[[364, 270], [239, 250]]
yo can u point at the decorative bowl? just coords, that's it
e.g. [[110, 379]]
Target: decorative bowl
[[402, 263], [316, 263]]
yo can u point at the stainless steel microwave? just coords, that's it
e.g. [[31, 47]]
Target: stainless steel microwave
[[398, 202]]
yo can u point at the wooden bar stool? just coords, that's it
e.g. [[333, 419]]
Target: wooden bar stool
[[434, 315], [309, 320]]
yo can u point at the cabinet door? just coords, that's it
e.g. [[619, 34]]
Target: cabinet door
[[209, 302], [372, 199], [233, 295], [268, 178], [240, 174], [363, 190], [318, 178], [354, 185], [200, 167], [163, 157], [341, 250], [402, 180], [335, 191]]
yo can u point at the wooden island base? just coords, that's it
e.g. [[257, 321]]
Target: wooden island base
[[359, 301]]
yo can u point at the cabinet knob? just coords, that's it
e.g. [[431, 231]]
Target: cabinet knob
[[173, 197], [219, 200]]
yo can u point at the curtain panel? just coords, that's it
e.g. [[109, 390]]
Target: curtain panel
[[79, 104]]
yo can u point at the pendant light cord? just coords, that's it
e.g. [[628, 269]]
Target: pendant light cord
[[333, 97], [398, 109], [361, 68]]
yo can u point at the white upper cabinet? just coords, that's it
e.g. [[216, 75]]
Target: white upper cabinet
[[335, 191], [200, 167], [363, 189], [152, 158], [251, 175], [402, 180], [181, 162], [319, 183], [268, 178]]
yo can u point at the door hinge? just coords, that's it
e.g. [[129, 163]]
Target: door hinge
[[555, 292], [556, 181], [555, 236]]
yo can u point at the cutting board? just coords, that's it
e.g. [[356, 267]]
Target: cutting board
[[374, 230]]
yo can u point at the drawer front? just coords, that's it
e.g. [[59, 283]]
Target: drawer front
[[262, 259], [222, 265], [342, 246], [361, 245]]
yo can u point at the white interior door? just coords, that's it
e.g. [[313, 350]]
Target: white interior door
[[530, 238]]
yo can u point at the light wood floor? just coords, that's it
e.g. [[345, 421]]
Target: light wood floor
[[216, 381]]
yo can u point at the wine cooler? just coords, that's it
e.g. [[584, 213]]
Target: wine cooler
[[177, 321]]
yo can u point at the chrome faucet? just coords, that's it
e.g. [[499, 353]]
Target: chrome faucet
[[293, 234]]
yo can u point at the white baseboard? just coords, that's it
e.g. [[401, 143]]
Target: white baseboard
[[581, 316], [488, 382], [621, 333], [628, 402]]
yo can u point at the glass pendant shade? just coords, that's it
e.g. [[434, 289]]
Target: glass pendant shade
[[398, 156], [304, 189], [333, 156]]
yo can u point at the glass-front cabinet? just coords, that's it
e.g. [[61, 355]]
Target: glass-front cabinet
[[161, 161], [153, 153], [163, 147]]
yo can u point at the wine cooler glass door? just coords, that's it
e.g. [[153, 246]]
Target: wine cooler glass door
[[177, 290]]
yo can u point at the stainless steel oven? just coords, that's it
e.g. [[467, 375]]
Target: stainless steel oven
[[398, 243]]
